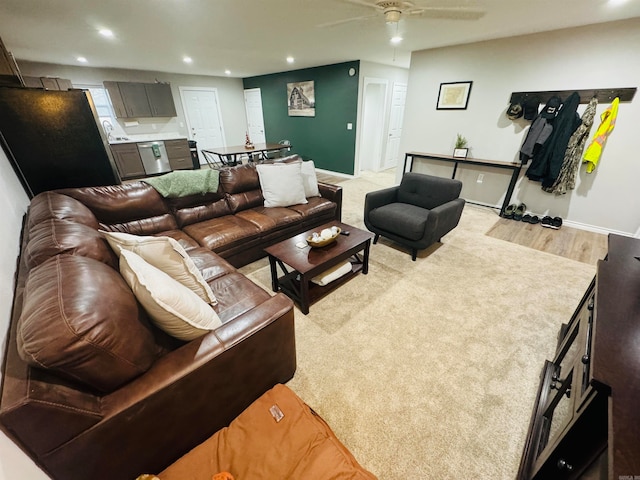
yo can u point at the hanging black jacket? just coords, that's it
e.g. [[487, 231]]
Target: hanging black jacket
[[547, 162]]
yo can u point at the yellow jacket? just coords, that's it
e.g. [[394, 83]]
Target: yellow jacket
[[608, 122]]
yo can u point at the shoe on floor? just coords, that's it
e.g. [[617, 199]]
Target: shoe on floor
[[508, 212], [546, 221], [526, 218], [519, 212], [534, 219], [556, 223]]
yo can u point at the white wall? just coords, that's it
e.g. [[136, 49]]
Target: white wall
[[13, 463], [597, 56], [230, 95], [376, 71]]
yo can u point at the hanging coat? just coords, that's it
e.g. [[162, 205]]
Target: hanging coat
[[538, 133], [567, 178], [547, 162], [608, 122]]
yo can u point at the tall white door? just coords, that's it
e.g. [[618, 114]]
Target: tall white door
[[255, 118], [202, 112], [372, 119], [398, 97]]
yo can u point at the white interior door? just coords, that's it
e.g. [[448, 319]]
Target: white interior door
[[255, 118], [396, 114], [202, 112], [373, 120]]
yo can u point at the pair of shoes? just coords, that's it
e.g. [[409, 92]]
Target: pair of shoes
[[533, 219], [509, 211], [519, 212], [549, 222]]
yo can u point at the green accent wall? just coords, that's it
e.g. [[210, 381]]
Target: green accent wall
[[323, 138]]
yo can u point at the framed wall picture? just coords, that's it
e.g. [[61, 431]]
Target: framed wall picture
[[454, 96], [301, 99], [460, 152]]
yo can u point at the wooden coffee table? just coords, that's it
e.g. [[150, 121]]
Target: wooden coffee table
[[300, 265]]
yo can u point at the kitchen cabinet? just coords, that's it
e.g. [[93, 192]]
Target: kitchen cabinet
[[140, 100], [179, 154], [48, 83], [586, 420], [160, 99], [128, 161], [9, 75]]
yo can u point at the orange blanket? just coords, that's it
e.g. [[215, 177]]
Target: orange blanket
[[277, 437]]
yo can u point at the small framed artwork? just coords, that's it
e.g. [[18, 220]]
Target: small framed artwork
[[454, 96], [301, 99], [460, 152]]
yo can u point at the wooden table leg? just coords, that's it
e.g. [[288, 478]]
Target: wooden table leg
[[304, 294], [365, 260], [274, 274]]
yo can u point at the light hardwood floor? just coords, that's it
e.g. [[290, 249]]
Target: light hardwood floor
[[573, 243]]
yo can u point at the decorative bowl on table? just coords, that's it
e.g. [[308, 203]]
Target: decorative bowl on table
[[323, 238]]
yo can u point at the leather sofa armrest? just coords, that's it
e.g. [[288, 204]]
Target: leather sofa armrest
[[333, 193], [186, 396]]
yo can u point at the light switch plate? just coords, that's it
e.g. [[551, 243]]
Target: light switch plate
[[349, 126]]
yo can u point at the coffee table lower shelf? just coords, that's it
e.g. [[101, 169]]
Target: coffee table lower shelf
[[292, 284]]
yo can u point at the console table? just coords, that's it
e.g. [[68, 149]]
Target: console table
[[514, 167], [586, 420]]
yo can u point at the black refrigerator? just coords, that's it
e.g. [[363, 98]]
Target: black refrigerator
[[52, 139]]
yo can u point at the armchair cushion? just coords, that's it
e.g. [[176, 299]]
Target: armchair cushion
[[403, 219], [427, 191]]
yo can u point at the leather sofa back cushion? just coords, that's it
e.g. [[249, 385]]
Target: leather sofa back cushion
[[239, 179], [81, 320], [54, 237], [135, 208], [205, 209], [47, 205]]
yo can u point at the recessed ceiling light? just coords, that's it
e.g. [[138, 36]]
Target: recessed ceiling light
[[82, 59], [290, 60], [396, 40], [187, 60], [227, 72], [105, 32]]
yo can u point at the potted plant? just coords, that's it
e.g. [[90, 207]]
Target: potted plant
[[460, 149]]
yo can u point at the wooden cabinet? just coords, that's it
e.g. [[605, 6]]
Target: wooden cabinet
[[128, 160], [586, 423], [9, 74], [160, 99], [140, 100], [48, 83], [179, 154]]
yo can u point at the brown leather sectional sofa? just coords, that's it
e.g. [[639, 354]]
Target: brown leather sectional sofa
[[181, 392]]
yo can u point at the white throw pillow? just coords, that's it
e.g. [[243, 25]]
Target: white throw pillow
[[334, 273], [166, 254], [309, 179], [281, 184], [172, 306]]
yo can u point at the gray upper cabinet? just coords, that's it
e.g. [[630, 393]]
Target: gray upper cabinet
[[160, 99], [134, 99]]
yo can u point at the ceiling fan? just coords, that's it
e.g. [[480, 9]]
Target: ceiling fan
[[393, 10]]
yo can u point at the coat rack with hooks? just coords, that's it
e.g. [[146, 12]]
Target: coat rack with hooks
[[603, 95]]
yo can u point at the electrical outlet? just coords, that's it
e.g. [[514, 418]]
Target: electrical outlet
[[480, 178]]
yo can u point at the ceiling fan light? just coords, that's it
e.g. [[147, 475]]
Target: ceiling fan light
[[392, 16], [396, 39]]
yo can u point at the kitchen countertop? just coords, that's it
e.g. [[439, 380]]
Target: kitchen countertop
[[151, 137]]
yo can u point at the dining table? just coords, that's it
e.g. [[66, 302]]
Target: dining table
[[221, 156]]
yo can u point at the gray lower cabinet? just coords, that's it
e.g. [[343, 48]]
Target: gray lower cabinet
[[128, 160], [140, 100], [179, 154]]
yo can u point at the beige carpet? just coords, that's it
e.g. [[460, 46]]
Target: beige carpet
[[429, 369]]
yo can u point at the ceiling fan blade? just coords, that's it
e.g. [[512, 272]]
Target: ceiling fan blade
[[346, 20], [453, 13], [364, 3]]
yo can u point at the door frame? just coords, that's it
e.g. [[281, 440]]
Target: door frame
[[386, 166], [246, 110], [218, 112], [382, 113]]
